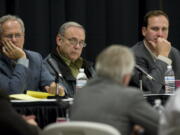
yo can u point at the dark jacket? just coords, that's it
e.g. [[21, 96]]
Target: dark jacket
[[68, 81], [12, 123]]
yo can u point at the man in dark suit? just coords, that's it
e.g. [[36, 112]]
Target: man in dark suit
[[20, 69], [108, 99], [12, 123], [67, 58], [155, 52]]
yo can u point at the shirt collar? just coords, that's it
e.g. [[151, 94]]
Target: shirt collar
[[149, 50], [77, 63]]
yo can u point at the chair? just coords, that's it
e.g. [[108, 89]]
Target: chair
[[79, 128]]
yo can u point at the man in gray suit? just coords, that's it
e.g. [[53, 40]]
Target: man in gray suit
[[108, 99], [155, 52]]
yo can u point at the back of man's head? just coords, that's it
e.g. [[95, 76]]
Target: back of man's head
[[115, 62]]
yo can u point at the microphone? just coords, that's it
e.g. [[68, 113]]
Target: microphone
[[144, 72], [59, 77], [52, 63]]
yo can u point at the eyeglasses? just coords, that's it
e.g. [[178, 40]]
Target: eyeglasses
[[10, 36], [74, 41]]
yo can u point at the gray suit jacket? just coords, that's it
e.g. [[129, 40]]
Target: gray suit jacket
[[16, 78], [156, 68], [104, 100]]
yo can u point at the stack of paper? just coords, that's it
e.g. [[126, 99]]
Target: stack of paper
[[31, 96], [23, 97]]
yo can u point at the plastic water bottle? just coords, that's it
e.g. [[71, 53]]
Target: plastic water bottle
[[81, 79], [169, 80], [158, 106]]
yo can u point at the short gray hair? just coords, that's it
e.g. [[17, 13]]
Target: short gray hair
[[114, 62], [6, 18], [66, 25]]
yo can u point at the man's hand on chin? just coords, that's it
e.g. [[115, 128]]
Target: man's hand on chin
[[11, 51]]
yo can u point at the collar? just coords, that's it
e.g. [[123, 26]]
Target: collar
[[149, 50], [78, 63]]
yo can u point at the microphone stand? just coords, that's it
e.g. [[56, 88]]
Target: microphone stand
[[57, 80], [141, 82], [58, 98]]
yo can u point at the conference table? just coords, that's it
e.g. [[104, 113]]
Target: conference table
[[49, 110], [46, 111]]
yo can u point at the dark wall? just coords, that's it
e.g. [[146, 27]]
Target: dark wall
[[106, 21]]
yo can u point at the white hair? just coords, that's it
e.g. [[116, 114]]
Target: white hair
[[6, 18], [114, 62], [66, 25]]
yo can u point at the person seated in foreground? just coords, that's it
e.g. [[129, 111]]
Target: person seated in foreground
[[108, 99], [11, 123]]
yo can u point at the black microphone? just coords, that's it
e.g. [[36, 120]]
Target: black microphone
[[144, 72], [52, 63], [59, 77]]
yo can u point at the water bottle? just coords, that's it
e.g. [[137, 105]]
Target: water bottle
[[158, 106], [169, 80], [81, 79]]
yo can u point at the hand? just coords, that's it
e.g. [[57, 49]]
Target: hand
[[30, 119], [137, 130], [161, 47], [53, 89], [11, 51]]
